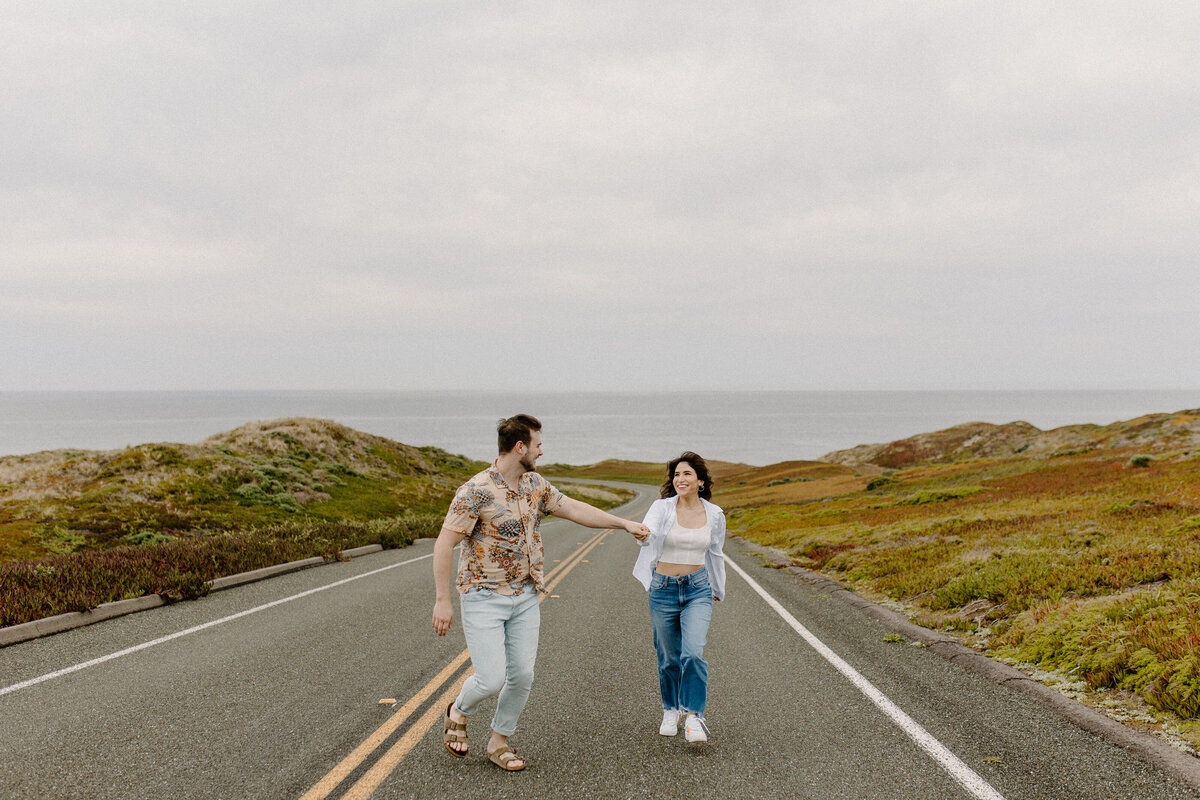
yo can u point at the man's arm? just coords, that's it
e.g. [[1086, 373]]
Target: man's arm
[[443, 562], [591, 517]]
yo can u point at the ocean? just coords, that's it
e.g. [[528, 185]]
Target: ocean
[[752, 427]]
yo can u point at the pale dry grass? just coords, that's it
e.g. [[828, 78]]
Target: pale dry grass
[[730, 497]]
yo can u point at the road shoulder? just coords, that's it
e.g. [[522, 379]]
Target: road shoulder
[[1152, 749]]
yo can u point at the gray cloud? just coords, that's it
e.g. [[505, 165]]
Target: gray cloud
[[363, 195]]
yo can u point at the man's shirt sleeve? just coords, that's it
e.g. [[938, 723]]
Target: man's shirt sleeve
[[466, 508], [552, 499]]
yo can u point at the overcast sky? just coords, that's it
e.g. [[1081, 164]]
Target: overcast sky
[[536, 195]]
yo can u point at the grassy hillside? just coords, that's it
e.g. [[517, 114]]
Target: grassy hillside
[[263, 473], [1074, 553], [606, 497], [650, 472], [81, 528], [609, 470], [1153, 432]]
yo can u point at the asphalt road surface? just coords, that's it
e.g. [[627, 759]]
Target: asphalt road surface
[[273, 689]]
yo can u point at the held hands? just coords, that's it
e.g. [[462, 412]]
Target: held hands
[[443, 615], [638, 530]]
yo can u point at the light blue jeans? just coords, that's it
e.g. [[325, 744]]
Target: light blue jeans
[[502, 637], [680, 610]]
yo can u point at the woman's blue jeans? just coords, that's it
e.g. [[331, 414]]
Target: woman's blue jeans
[[680, 610]]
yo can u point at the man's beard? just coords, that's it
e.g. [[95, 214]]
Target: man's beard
[[527, 463]]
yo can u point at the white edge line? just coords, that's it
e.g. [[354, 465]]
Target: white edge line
[[16, 687], [962, 774]]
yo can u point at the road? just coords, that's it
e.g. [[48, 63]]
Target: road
[[273, 689]]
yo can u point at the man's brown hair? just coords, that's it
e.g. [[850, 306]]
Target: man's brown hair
[[515, 429]]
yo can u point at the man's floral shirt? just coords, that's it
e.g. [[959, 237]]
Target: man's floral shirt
[[502, 550]]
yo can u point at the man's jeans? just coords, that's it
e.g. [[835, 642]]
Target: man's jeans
[[680, 610], [502, 637]]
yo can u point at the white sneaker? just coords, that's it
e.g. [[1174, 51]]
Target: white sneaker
[[670, 723], [695, 729]]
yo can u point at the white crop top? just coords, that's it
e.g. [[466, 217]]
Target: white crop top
[[686, 545]]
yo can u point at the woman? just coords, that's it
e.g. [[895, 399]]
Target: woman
[[682, 567]]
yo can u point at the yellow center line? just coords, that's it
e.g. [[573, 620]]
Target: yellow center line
[[573, 561], [335, 776], [360, 753], [388, 762]]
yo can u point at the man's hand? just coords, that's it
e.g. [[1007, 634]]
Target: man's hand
[[639, 531], [443, 554], [443, 615]]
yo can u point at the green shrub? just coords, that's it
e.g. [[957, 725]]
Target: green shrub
[[183, 567], [1189, 524], [256, 495], [147, 536], [926, 496], [782, 481]]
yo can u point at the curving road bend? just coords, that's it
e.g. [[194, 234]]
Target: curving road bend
[[272, 690]]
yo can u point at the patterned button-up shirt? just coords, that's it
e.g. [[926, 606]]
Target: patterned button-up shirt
[[502, 550]]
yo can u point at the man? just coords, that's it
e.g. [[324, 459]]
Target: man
[[496, 515]]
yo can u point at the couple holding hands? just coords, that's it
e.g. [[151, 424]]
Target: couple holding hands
[[495, 515]]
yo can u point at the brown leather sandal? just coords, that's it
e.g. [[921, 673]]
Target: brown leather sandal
[[454, 732], [503, 755]]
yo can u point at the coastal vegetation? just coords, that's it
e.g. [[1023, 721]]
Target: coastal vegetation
[[1073, 554], [609, 470], [261, 474], [648, 472], [598, 496], [181, 567], [81, 528]]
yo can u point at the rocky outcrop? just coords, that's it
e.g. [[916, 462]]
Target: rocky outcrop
[[1153, 433]]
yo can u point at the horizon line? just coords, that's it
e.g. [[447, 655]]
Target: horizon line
[[562, 391]]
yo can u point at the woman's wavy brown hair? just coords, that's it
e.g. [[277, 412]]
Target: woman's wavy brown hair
[[668, 488]]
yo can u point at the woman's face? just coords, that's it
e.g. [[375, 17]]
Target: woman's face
[[685, 480]]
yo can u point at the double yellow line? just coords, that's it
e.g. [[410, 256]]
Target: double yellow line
[[387, 763]]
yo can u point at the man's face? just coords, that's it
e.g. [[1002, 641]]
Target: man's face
[[533, 452]]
